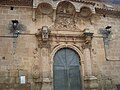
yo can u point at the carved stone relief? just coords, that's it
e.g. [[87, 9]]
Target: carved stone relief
[[41, 42], [65, 19], [36, 66], [64, 23]]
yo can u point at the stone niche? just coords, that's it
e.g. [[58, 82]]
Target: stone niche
[[44, 8], [57, 8]]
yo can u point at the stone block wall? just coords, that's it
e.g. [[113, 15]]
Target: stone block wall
[[22, 56], [105, 58], [16, 54]]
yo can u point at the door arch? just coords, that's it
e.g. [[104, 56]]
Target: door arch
[[66, 70]]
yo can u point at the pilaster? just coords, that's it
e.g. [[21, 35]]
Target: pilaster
[[89, 79]]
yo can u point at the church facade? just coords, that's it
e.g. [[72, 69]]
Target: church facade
[[59, 45]]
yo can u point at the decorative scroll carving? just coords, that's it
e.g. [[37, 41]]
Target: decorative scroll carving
[[65, 17], [64, 22], [36, 73], [36, 65]]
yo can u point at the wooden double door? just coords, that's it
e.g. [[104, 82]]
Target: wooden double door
[[66, 70]]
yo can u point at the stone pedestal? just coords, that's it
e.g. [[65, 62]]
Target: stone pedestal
[[46, 84], [91, 83], [38, 84], [90, 80]]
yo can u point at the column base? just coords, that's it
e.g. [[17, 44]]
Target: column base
[[90, 83], [46, 84]]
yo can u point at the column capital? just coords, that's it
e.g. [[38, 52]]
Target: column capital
[[88, 39], [88, 45]]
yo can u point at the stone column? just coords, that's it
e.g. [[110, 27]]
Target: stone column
[[90, 80], [44, 46], [46, 84]]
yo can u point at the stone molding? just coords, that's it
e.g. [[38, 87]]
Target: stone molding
[[107, 12], [17, 2], [91, 83], [55, 4]]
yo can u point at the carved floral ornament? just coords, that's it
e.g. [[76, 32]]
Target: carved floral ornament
[[63, 23]]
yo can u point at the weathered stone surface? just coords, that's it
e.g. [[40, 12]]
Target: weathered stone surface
[[27, 55], [17, 2]]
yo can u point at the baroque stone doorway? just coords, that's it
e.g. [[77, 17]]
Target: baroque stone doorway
[[66, 70]]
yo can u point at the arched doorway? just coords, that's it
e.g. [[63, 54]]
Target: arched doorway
[[66, 70]]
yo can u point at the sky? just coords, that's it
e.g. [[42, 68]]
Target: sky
[[116, 1], [112, 1]]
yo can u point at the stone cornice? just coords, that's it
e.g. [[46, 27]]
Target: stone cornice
[[83, 1], [107, 12], [99, 7], [17, 2]]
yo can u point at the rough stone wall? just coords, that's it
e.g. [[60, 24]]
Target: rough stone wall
[[20, 56], [105, 58], [23, 56], [16, 54]]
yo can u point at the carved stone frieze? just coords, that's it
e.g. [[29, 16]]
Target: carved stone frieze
[[65, 23]]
